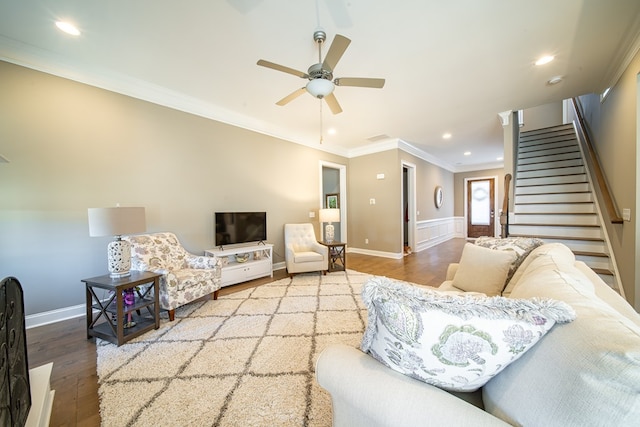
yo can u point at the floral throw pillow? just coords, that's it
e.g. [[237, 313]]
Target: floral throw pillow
[[452, 341]]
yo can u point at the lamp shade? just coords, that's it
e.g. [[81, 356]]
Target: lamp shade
[[116, 221], [320, 87], [329, 215]]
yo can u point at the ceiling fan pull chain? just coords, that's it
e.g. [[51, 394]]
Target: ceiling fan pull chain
[[321, 121]]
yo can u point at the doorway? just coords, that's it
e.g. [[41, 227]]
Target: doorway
[[333, 179], [408, 208], [480, 206]]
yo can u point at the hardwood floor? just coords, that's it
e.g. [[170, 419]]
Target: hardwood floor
[[74, 375]]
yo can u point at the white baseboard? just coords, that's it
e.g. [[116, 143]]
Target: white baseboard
[[66, 313], [53, 316], [382, 254]]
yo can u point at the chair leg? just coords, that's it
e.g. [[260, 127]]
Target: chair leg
[[324, 272], [172, 315], [215, 294]]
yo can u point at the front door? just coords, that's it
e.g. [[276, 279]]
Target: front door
[[480, 208]]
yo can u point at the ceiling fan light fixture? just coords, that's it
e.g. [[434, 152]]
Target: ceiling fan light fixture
[[320, 88], [68, 28]]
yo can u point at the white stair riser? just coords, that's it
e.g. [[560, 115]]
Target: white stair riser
[[545, 189], [549, 165], [527, 141], [551, 198], [595, 261], [609, 280], [539, 134], [547, 145], [549, 152], [556, 219], [541, 173], [557, 232], [559, 208], [554, 158], [581, 245], [564, 179]]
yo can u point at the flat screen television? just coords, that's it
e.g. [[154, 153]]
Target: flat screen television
[[240, 227]]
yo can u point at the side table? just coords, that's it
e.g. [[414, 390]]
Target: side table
[[337, 256], [115, 312]]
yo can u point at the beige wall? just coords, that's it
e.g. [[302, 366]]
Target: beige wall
[[382, 223], [72, 146], [613, 124], [428, 176], [379, 223], [543, 116]]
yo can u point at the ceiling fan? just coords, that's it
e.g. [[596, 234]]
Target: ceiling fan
[[321, 82]]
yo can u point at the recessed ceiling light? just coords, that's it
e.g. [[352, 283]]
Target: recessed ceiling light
[[545, 60], [499, 158], [554, 80], [467, 153], [68, 28], [446, 136]]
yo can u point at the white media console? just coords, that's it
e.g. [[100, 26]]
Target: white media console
[[259, 262]]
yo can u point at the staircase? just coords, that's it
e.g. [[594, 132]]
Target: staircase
[[554, 199]]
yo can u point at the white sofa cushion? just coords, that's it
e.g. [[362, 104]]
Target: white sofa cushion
[[483, 270], [588, 371], [455, 342]]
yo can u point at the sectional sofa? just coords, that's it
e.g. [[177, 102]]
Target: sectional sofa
[[584, 369]]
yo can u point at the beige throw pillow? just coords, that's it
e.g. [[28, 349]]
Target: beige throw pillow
[[483, 270]]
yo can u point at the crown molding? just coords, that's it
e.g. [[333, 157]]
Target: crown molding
[[47, 62]]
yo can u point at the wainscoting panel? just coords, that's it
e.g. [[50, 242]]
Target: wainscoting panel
[[432, 232]]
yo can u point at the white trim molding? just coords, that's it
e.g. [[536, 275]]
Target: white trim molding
[[53, 316], [393, 255], [435, 231]]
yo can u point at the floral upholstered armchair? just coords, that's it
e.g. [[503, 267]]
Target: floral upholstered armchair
[[185, 277]]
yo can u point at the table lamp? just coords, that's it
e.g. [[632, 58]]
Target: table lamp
[[329, 216], [117, 222]]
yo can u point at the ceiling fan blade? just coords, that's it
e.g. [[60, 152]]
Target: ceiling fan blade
[[282, 68], [338, 46], [293, 95], [332, 102], [359, 82]]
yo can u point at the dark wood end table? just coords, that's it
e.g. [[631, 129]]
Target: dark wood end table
[[337, 256], [144, 310]]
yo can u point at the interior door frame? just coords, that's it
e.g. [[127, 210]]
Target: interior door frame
[[411, 202], [343, 194], [496, 203]]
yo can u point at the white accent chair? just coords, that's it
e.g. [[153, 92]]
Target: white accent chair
[[185, 277], [303, 253]]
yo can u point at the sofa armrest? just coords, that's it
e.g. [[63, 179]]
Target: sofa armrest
[[201, 261], [320, 248], [364, 392], [451, 270]]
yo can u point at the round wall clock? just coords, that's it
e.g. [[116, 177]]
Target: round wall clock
[[438, 197]]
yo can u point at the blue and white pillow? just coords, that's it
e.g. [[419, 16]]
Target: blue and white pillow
[[452, 341]]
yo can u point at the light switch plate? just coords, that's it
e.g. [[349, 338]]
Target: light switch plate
[[626, 214], [312, 214]]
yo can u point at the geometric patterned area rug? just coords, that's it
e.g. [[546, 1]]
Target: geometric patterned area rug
[[246, 359]]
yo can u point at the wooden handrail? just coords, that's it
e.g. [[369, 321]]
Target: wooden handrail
[[614, 215], [504, 215]]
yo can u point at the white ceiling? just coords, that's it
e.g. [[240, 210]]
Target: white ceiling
[[450, 65]]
